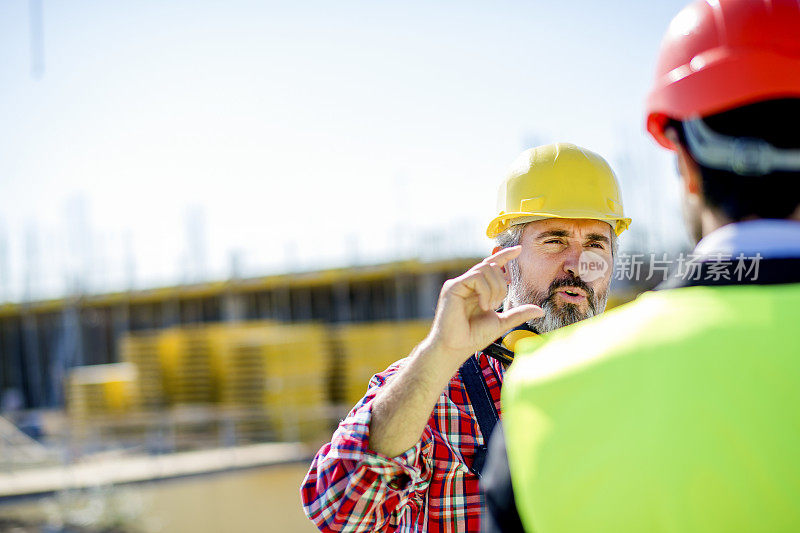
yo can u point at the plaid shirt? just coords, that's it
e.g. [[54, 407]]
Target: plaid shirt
[[429, 488]]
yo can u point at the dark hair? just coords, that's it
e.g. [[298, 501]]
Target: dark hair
[[774, 195]]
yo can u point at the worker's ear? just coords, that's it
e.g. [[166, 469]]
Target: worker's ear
[[687, 166], [505, 271]]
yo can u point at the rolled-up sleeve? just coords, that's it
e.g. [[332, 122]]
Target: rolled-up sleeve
[[352, 488]]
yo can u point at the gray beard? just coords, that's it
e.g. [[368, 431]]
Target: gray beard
[[555, 316]]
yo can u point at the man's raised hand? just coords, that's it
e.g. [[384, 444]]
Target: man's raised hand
[[466, 320]]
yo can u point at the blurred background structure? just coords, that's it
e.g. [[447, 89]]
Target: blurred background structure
[[217, 221]]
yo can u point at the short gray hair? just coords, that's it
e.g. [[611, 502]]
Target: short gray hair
[[511, 236], [508, 238]]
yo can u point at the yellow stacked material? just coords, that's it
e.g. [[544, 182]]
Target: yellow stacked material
[[283, 369], [188, 359], [273, 380], [297, 387], [142, 350], [369, 348], [244, 374], [234, 359], [102, 391], [170, 353]]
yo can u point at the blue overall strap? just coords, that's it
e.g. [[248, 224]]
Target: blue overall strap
[[483, 406]]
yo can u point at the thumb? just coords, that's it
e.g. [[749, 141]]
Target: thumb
[[517, 315]]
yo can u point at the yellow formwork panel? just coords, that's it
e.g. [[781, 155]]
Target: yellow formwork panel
[[282, 369], [189, 363], [142, 349], [170, 348], [101, 390], [370, 348]]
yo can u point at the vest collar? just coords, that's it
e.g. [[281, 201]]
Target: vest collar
[[775, 243], [770, 238], [770, 272]]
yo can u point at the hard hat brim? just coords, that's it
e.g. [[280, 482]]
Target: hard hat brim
[[502, 222]]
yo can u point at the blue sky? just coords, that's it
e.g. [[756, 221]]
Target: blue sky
[[302, 134]]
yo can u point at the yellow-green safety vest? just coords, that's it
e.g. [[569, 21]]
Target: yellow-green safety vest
[[679, 412]]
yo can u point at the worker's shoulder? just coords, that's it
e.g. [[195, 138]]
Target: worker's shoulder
[[385, 375], [660, 325]]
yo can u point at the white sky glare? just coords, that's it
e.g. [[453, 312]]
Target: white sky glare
[[301, 134]]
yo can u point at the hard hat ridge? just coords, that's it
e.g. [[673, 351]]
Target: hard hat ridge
[[721, 55], [559, 180]]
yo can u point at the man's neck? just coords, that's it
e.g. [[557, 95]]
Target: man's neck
[[712, 219], [763, 238]]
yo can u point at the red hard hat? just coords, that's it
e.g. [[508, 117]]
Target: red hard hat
[[722, 54]]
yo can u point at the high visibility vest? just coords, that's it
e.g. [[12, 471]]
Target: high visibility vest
[[679, 412]]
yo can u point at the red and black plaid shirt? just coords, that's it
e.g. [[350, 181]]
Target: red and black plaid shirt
[[429, 488]]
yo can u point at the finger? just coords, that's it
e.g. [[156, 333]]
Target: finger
[[495, 288], [518, 315], [504, 256], [498, 281], [476, 282]]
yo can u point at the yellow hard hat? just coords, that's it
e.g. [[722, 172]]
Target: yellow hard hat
[[559, 181]]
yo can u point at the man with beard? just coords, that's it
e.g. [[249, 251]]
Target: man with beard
[[568, 298], [408, 456], [679, 412]]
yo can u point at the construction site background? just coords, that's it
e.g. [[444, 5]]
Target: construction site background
[[218, 220], [105, 395]]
